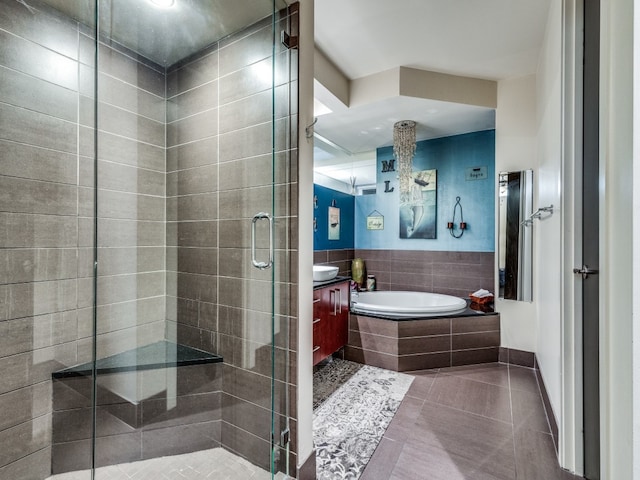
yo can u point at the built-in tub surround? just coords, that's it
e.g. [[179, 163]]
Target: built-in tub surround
[[403, 345]]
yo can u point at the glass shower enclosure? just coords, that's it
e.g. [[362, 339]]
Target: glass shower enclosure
[[147, 199]]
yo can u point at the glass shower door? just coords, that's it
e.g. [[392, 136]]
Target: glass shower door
[[193, 219]]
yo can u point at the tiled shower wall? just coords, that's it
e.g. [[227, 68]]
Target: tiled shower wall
[[219, 174], [195, 205], [46, 210]]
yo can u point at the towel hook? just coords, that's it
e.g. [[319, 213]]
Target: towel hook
[[309, 128]]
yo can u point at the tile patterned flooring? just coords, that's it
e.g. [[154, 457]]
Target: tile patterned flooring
[[476, 422], [214, 464]]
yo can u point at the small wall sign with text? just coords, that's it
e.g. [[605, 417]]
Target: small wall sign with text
[[475, 173], [375, 221]]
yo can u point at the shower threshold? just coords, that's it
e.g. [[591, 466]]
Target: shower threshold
[[205, 464]]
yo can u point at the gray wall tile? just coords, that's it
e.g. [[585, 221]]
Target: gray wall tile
[[123, 233], [121, 122], [119, 261], [196, 154], [194, 180], [36, 465], [193, 74], [196, 234], [40, 62], [25, 161], [131, 206], [123, 67], [130, 314], [254, 110], [204, 97], [19, 195], [33, 333], [26, 438], [123, 150], [41, 25], [247, 50], [253, 79], [38, 95], [37, 129], [128, 97], [22, 230], [35, 367], [22, 405], [195, 127], [122, 288], [28, 264], [193, 207], [39, 298], [123, 178]]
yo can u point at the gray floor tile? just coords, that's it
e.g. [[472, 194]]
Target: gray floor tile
[[404, 422], [472, 396], [383, 461], [493, 373], [439, 464], [421, 386], [536, 457], [465, 434], [522, 378], [528, 412]]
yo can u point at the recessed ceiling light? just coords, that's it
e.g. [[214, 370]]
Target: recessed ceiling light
[[163, 3]]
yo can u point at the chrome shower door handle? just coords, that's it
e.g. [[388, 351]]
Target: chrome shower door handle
[[256, 263]]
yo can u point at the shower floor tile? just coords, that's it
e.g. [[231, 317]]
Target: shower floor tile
[[214, 464]]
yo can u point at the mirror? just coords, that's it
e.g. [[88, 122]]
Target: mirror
[[515, 235]]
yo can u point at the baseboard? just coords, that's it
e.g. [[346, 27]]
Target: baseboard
[[551, 417], [523, 358], [307, 470]]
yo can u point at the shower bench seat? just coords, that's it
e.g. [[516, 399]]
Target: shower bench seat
[[156, 400], [163, 354]]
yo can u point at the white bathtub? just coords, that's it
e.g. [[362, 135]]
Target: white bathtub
[[407, 304]]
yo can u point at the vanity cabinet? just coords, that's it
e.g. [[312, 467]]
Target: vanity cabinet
[[330, 319]]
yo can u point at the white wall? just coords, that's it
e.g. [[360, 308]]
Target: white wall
[[528, 135], [547, 232], [516, 130], [305, 235]]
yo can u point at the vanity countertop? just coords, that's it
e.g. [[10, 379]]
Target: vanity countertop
[[333, 281]]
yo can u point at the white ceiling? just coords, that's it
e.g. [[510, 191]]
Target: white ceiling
[[487, 39]]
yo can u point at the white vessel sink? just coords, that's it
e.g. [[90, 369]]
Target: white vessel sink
[[322, 273]]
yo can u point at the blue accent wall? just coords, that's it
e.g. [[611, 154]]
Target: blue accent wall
[[345, 203], [450, 156]]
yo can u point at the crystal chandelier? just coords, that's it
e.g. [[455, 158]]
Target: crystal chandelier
[[404, 147]]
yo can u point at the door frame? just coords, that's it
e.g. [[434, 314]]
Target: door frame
[[571, 445]]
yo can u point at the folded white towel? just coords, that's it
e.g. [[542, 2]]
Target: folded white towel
[[482, 293]]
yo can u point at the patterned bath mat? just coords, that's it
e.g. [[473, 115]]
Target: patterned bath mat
[[331, 377], [348, 426]]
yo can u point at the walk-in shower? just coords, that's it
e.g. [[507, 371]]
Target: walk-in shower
[[147, 165]]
